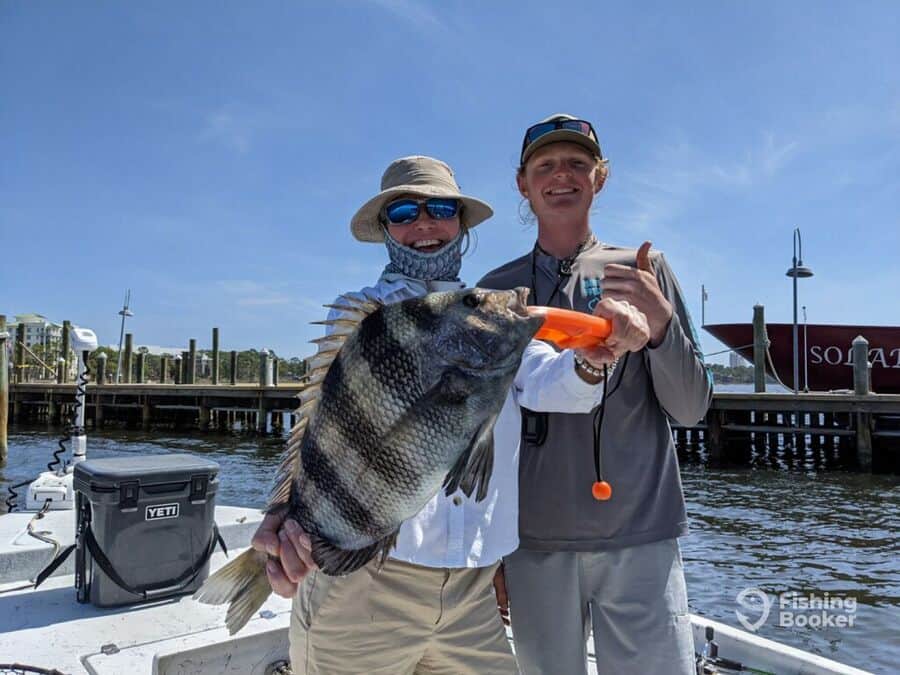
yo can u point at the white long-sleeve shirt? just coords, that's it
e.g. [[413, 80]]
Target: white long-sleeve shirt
[[457, 531]]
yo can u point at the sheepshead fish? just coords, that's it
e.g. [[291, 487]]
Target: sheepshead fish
[[401, 401]]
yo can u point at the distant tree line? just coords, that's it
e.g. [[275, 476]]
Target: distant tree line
[[731, 375], [289, 369]]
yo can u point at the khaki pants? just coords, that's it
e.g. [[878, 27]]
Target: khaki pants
[[400, 620]]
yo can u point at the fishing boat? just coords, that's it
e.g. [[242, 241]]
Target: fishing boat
[[825, 353], [45, 630]]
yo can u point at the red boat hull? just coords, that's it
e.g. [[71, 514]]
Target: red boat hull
[[828, 353]]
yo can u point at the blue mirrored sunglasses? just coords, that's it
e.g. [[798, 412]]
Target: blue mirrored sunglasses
[[405, 211], [543, 128]]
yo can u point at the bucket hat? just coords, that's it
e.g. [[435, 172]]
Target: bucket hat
[[415, 175]]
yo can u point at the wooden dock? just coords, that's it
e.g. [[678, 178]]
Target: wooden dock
[[737, 426], [145, 395], [252, 407]]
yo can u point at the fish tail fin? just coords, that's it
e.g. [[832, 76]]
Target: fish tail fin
[[242, 583]]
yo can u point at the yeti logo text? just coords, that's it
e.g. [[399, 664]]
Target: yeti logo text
[[757, 601], [161, 511]]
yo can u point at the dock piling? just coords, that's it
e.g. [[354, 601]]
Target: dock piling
[[215, 356], [861, 387], [192, 362], [760, 346], [261, 415], [861, 367], [864, 440], [204, 415], [100, 375], [127, 361], [64, 350], [4, 390], [713, 437], [53, 413], [19, 356], [100, 379], [265, 368], [146, 414], [141, 369]]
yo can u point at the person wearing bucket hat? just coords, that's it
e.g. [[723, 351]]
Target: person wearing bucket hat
[[432, 607], [417, 175], [604, 560]]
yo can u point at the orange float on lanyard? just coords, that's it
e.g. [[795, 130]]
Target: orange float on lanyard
[[601, 490], [568, 329]]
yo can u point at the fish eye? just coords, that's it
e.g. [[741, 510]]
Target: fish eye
[[471, 300]]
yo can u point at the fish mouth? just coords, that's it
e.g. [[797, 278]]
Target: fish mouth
[[518, 302]]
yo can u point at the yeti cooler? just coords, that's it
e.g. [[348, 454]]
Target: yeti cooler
[[145, 527]]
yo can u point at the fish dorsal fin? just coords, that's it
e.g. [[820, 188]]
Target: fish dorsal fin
[[340, 326]]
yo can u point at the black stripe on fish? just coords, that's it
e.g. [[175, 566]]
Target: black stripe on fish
[[422, 315], [356, 427], [390, 361], [318, 467]]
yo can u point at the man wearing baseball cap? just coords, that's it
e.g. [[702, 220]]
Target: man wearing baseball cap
[[600, 500]]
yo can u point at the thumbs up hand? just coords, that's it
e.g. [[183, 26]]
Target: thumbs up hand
[[638, 286]]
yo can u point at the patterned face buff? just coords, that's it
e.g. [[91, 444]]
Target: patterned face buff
[[440, 265]]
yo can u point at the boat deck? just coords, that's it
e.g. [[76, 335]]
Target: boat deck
[[47, 628]]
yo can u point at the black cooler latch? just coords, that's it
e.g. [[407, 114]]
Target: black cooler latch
[[128, 495], [199, 484]]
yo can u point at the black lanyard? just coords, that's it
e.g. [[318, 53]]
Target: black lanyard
[[563, 271]]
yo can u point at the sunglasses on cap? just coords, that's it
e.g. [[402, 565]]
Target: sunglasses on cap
[[405, 211], [534, 132]]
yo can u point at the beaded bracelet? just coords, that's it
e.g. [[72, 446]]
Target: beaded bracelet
[[590, 370]]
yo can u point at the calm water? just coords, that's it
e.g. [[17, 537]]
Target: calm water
[[785, 529]]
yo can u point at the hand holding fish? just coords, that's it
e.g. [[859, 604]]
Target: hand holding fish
[[289, 550], [639, 286]]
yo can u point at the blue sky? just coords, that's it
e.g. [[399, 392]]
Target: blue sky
[[209, 155]]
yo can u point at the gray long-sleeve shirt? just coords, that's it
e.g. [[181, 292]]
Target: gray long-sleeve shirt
[[556, 508]]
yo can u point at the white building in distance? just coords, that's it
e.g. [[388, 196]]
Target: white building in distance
[[39, 330], [735, 360]]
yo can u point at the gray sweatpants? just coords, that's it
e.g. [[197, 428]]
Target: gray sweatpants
[[634, 598]]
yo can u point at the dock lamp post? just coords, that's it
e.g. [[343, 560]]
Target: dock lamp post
[[797, 271]]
